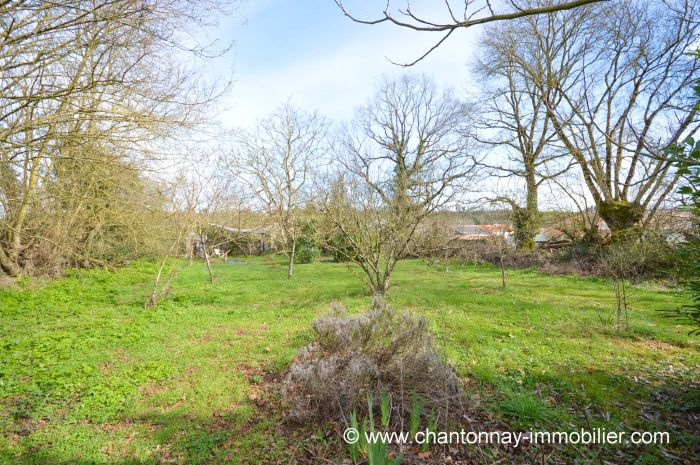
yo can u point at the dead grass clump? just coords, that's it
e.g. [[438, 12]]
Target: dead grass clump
[[381, 351]]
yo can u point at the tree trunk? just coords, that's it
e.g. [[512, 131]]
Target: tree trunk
[[9, 264], [503, 268], [153, 298], [207, 259], [290, 269], [189, 244], [526, 221], [381, 287], [622, 217], [155, 293]]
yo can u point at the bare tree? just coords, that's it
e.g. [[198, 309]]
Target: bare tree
[[581, 223], [616, 84], [168, 269], [434, 242], [277, 159], [193, 202], [181, 198], [461, 15], [79, 80], [515, 123], [405, 155], [196, 201]]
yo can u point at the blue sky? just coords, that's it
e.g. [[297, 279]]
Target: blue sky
[[307, 52]]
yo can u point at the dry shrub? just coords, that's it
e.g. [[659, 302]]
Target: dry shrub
[[380, 351], [493, 251]]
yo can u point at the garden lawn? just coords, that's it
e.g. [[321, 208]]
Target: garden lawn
[[87, 375]]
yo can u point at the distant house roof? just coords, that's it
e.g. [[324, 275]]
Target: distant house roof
[[482, 232], [675, 220], [259, 230], [548, 233], [479, 232], [496, 228]]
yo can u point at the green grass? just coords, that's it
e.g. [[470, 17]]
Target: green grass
[[88, 376]]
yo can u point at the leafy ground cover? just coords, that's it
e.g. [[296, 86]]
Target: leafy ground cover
[[88, 376]]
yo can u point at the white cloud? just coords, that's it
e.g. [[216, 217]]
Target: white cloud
[[336, 82]]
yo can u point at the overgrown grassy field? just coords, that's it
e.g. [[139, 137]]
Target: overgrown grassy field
[[88, 376]]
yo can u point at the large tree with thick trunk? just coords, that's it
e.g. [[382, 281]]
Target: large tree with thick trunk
[[515, 125], [615, 79]]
